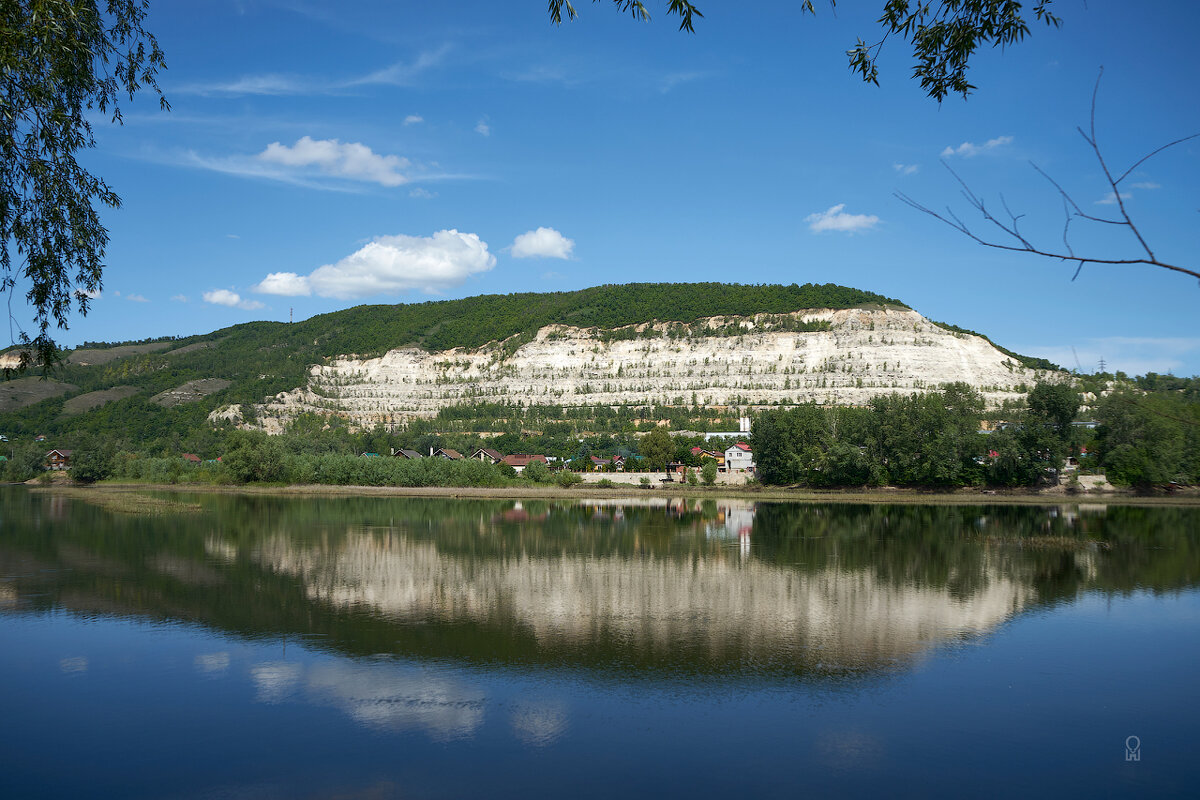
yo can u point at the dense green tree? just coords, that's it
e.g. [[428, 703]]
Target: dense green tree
[[656, 447], [928, 439], [1053, 406], [27, 460], [537, 471], [1148, 440], [708, 472], [1011, 461], [253, 456], [1036, 441], [91, 460], [916, 440]]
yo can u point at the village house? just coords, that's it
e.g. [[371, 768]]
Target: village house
[[410, 454], [487, 455], [446, 453], [715, 455], [739, 458], [58, 459], [519, 461]]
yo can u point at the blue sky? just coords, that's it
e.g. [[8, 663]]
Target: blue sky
[[319, 156]]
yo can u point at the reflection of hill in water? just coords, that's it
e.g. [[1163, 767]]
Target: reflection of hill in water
[[729, 610], [665, 588]]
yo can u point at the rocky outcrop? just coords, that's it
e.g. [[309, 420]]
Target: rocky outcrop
[[862, 353]]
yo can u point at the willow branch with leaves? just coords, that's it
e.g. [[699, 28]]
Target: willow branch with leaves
[[944, 35], [60, 59]]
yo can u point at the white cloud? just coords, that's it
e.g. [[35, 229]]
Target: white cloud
[[837, 220], [224, 297], [180, 298], [542, 243], [413, 119], [422, 194], [483, 128], [91, 294], [674, 79], [391, 265], [137, 298], [288, 284], [399, 74], [255, 85], [1110, 199], [969, 149], [1146, 185], [905, 169], [350, 160]]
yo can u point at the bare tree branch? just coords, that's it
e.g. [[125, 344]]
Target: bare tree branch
[[1071, 210]]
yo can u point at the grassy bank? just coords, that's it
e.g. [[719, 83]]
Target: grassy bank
[[122, 500], [586, 491]]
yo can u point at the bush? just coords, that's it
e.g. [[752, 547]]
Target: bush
[[253, 456], [537, 471], [605, 483], [567, 479], [91, 461], [27, 462], [709, 472]]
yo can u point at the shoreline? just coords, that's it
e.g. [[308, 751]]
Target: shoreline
[[886, 495]]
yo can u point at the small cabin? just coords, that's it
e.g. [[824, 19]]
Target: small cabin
[[58, 459]]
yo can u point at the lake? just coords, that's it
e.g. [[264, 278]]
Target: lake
[[284, 647]]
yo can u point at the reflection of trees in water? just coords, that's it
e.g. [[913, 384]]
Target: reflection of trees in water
[[657, 586]]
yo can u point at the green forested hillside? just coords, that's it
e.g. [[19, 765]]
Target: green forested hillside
[[264, 358]]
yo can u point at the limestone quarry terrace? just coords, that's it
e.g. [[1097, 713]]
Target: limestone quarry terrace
[[827, 356]]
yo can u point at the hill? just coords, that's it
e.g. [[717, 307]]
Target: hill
[[247, 364]]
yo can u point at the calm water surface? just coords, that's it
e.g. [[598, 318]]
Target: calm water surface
[[318, 647]]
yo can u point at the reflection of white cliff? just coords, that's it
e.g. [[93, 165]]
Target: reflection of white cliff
[[715, 604]]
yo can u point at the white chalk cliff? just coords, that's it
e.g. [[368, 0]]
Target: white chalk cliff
[[863, 353]]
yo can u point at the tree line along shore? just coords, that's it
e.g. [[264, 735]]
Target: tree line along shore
[[943, 439]]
